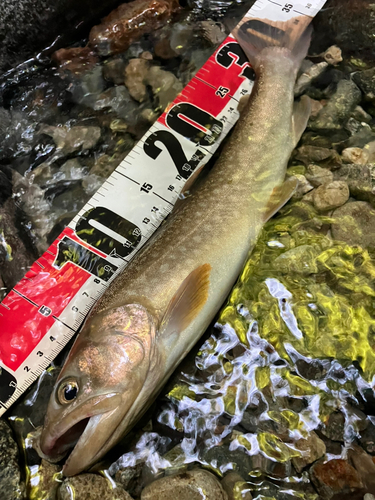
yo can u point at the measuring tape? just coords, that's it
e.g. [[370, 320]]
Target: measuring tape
[[46, 308]]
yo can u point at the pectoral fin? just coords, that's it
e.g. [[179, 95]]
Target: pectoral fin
[[301, 115], [187, 301], [279, 196]]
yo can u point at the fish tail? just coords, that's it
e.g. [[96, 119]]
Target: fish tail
[[290, 38]]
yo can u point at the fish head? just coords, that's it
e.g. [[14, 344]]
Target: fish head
[[98, 385]]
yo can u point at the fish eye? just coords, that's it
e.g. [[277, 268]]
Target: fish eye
[[67, 391]]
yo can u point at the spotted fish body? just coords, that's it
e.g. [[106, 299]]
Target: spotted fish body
[[156, 310]]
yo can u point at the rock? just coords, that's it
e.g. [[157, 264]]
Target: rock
[[300, 260], [355, 155], [339, 107], [330, 196], [118, 100], [368, 496], [86, 88], [11, 487], [77, 60], [128, 23], [333, 55], [367, 438], [366, 82], [163, 49], [134, 78], [355, 224], [317, 175], [113, 70], [28, 27], [364, 465], [336, 477], [235, 487], [312, 448], [360, 180], [128, 478], [361, 115], [44, 481], [212, 31], [165, 85], [335, 427], [350, 24], [302, 188], [91, 487], [5, 121], [308, 76], [190, 485], [78, 138], [314, 154]]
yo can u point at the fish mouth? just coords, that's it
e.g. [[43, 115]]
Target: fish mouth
[[87, 432]]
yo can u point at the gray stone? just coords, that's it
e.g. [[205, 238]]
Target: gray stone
[[165, 85], [118, 100], [44, 481], [366, 82], [314, 154], [364, 465], [339, 107], [335, 427], [367, 439], [135, 76], [300, 260], [330, 196], [235, 487], [11, 487], [360, 180], [317, 175], [355, 155], [302, 188], [91, 487], [355, 224], [113, 70], [190, 485], [69, 140], [312, 448]]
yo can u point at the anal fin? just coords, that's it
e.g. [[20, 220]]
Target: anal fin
[[187, 302], [279, 196]]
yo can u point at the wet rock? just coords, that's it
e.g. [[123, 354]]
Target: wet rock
[[17, 252], [113, 70], [128, 23], [308, 76], [314, 154], [91, 486], [11, 487], [235, 487], [336, 477], [5, 121], [77, 60], [69, 140], [364, 465], [330, 196], [44, 481], [302, 188], [163, 49], [335, 427], [339, 107], [300, 260], [135, 76], [128, 478], [349, 24], [317, 175], [212, 31], [118, 100], [165, 85], [361, 115], [333, 55], [360, 180], [312, 448], [355, 155], [366, 82], [367, 438], [86, 87], [368, 496], [190, 485], [355, 224]]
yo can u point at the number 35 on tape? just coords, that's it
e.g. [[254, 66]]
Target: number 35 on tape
[[46, 308]]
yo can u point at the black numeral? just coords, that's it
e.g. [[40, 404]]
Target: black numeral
[[146, 187], [287, 7], [231, 53], [39, 353]]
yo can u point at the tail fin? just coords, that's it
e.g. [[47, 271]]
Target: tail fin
[[254, 35]]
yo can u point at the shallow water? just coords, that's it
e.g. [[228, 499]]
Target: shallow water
[[283, 382]]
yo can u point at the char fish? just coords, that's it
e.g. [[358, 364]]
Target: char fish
[[156, 310]]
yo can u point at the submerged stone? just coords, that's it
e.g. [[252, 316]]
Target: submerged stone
[[190, 485], [360, 180], [235, 487], [312, 448], [301, 260], [11, 486], [336, 479], [354, 223], [91, 487], [332, 195]]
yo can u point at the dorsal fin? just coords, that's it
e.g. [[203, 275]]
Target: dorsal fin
[[279, 196], [187, 301]]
